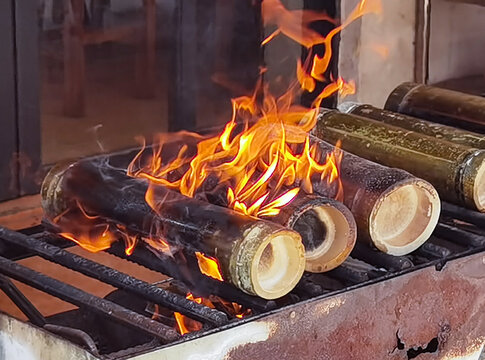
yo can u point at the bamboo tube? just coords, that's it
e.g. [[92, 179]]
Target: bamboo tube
[[439, 131], [327, 228], [439, 105], [457, 172], [259, 257], [394, 210]]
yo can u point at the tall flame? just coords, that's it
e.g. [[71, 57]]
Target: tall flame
[[261, 160], [266, 164]]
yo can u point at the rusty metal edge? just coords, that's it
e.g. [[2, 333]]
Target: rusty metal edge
[[437, 266]]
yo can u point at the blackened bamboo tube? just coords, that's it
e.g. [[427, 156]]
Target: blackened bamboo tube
[[327, 228], [439, 105], [259, 257], [439, 131], [457, 172], [394, 210]]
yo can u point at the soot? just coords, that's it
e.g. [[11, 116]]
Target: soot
[[312, 230]]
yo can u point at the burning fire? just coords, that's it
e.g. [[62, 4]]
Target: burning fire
[[91, 232], [260, 161], [267, 163], [209, 266], [262, 166], [186, 325]]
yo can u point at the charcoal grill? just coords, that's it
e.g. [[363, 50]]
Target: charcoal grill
[[375, 306]]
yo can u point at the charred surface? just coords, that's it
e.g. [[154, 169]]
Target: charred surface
[[185, 223]]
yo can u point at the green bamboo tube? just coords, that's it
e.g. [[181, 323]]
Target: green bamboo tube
[[457, 172], [394, 210], [439, 105], [439, 131]]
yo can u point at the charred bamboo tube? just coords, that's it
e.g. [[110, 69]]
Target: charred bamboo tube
[[259, 257], [457, 172], [439, 105], [439, 131], [327, 228], [394, 210]]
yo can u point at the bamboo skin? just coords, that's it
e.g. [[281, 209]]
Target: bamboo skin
[[379, 198], [456, 171], [259, 257], [429, 128], [439, 105], [327, 228]]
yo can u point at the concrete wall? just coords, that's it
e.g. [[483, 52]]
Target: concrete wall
[[457, 43], [377, 51]]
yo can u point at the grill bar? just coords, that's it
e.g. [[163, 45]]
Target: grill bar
[[380, 259], [467, 215], [459, 236], [82, 299], [116, 278], [27, 308], [433, 251]]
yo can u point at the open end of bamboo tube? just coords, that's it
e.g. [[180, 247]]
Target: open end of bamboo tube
[[404, 217], [328, 236], [268, 263], [479, 188]]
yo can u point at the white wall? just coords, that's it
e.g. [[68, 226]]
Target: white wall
[[457, 46]]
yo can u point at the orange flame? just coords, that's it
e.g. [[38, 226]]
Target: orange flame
[[91, 232], [95, 234], [186, 325], [293, 24], [263, 157], [320, 64], [209, 266], [265, 165]]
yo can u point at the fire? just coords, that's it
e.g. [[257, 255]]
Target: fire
[[91, 242], [186, 325], [90, 232], [259, 162], [293, 24], [320, 64], [209, 266], [264, 165], [95, 234]]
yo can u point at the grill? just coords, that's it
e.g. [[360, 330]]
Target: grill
[[121, 327]]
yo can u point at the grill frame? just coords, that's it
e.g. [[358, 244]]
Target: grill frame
[[359, 278]]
